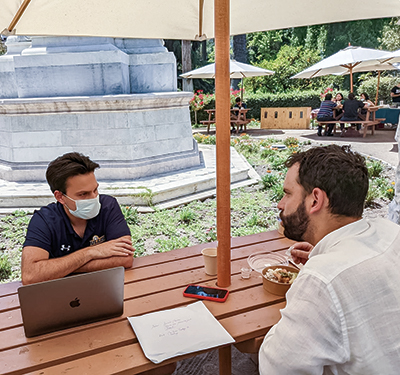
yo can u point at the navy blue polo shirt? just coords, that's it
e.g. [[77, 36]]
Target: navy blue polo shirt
[[51, 230]]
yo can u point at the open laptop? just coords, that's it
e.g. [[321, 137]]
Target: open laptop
[[71, 301]]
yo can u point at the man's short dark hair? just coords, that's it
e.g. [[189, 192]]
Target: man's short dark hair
[[339, 172], [328, 97], [238, 99], [68, 165], [351, 96]]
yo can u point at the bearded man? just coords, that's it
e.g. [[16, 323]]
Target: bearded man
[[343, 309]]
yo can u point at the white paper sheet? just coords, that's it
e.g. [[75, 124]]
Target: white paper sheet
[[169, 333]]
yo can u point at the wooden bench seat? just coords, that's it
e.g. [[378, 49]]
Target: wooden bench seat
[[239, 123], [365, 123], [208, 123]]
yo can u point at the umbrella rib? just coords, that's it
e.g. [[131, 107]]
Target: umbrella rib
[[201, 15], [313, 75], [18, 15]]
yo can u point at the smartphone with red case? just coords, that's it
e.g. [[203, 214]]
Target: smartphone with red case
[[206, 292]]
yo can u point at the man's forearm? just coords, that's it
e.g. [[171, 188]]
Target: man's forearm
[[101, 264], [49, 269]]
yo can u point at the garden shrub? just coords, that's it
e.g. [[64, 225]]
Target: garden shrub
[[5, 267], [370, 83], [259, 100]]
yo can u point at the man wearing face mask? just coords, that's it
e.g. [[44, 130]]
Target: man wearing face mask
[[82, 232]]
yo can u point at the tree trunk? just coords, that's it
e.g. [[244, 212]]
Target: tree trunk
[[204, 50], [239, 54], [187, 84]]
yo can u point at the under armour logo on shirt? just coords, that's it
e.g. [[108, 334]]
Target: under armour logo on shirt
[[65, 247]]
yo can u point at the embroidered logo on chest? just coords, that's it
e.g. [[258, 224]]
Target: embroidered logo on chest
[[65, 248], [97, 240]]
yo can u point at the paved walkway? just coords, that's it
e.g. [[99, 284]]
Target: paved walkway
[[381, 145]]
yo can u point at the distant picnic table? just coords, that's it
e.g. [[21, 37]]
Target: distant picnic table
[[238, 119]]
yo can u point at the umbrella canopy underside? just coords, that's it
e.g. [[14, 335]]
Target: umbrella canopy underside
[[159, 19]]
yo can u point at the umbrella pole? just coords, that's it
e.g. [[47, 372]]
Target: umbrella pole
[[222, 105], [241, 91], [351, 79], [377, 87]]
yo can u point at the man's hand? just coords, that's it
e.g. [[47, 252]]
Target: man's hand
[[119, 247], [300, 252]]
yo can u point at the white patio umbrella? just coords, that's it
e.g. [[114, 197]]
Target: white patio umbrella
[[237, 70], [190, 20], [347, 61]]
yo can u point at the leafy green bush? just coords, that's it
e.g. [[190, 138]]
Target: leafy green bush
[[375, 168], [268, 181], [260, 100], [291, 141], [187, 215], [206, 139], [5, 267], [277, 162], [286, 99], [130, 214], [372, 195], [370, 83], [389, 193], [277, 192]]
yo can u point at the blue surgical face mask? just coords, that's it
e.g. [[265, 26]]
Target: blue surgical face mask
[[85, 208]]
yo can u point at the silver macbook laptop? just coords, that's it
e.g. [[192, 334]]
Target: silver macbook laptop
[[71, 301]]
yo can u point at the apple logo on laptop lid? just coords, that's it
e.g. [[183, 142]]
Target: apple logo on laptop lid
[[75, 302]]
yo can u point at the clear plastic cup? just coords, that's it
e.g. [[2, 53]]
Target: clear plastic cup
[[245, 272]]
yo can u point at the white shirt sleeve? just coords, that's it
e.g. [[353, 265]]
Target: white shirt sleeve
[[311, 333]]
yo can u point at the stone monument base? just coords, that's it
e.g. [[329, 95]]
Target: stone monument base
[[130, 136]]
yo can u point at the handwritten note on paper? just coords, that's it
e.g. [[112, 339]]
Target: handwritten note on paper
[[169, 333]]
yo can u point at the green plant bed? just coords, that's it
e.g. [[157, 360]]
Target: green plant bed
[[253, 208]]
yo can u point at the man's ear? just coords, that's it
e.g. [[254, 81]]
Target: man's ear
[[319, 200], [59, 196]]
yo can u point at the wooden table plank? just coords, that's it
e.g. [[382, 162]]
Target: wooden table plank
[[151, 285], [120, 361], [76, 342]]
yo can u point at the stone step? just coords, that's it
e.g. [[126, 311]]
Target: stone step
[[161, 191]]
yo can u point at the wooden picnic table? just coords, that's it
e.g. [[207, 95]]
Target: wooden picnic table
[[370, 121], [154, 283], [238, 119]]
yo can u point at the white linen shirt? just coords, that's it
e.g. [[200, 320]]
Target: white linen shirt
[[343, 310]]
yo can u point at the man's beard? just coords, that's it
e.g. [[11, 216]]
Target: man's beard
[[296, 224]]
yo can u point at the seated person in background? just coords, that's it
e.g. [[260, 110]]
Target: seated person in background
[[338, 111], [342, 308], [82, 232], [350, 109], [239, 104], [395, 94], [235, 115], [367, 103], [325, 113]]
